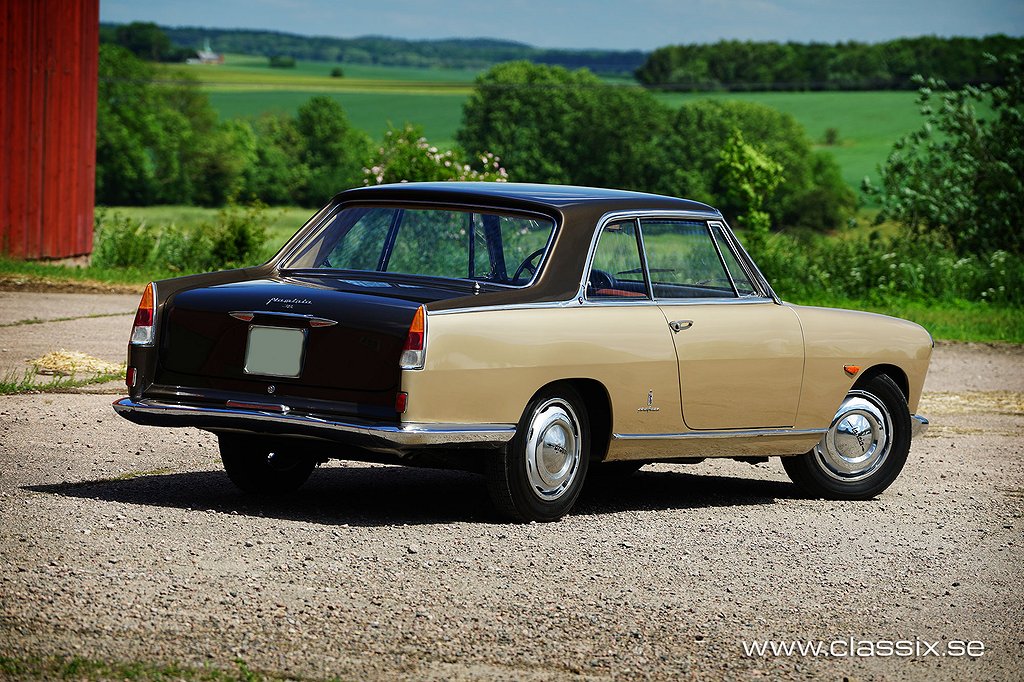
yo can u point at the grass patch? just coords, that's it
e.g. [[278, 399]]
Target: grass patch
[[25, 382], [39, 320], [89, 670]]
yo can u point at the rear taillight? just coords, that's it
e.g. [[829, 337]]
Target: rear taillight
[[143, 330], [415, 342]]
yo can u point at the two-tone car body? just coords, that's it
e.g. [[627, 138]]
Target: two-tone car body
[[530, 332]]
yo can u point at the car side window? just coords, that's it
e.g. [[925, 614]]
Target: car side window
[[617, 271], [683, 260]]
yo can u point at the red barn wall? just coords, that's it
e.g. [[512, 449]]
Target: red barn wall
[[48, 83]]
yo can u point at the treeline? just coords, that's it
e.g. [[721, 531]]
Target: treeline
[[472, 53], [161, 142], [744, 65]]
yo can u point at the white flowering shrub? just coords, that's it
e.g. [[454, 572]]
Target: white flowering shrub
[[407, 156]]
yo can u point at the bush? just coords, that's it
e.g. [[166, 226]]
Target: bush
[[337, 72], [281, 61], [878, 270], [961, 176], [236, 239], [407, 156]]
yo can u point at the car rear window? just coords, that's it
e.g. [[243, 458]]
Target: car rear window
[[454, 243]]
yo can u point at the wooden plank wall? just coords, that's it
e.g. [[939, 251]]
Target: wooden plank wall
[[49, 53]]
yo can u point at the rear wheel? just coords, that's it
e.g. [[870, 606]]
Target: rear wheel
[[257, 468], [863, 450], [540, 475]]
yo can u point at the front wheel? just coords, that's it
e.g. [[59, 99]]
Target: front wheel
[[256, 468], [540, 475], [863, 450]]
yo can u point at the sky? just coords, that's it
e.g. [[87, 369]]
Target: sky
[[607, 24]]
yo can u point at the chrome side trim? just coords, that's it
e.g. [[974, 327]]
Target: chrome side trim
[[712, 435], [383, 437], [623, 303], [918, 425]]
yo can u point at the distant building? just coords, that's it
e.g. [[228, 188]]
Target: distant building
[[206, 55]]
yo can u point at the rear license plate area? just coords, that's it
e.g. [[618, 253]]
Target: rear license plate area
[[275, 351]]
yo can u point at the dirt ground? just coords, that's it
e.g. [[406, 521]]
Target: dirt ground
[[128, 544]]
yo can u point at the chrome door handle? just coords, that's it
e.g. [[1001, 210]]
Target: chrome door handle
[[679, 325]]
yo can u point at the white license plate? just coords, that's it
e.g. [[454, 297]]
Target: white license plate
[[275, 351]]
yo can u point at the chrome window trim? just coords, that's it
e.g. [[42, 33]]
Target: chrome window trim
[[721, 258], [753, 271], [596, 242], [581, 300], [742, 258], [332, 210], [637, 215]]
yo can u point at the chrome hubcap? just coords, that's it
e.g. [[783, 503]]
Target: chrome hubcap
[[552, 449], [858, 441]]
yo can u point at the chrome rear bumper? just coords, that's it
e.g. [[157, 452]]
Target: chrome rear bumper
[[396, 438], [918, 425]]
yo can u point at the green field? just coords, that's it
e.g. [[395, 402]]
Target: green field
[[868, 122], [439, 113]]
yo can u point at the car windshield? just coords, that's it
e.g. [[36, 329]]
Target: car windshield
[[453, 243]]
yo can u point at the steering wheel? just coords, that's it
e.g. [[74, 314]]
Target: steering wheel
[[599, 279], [527, 266]]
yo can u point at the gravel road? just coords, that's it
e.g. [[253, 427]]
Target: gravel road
[[125, 543]]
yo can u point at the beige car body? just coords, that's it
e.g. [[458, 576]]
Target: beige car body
[[742, 377]]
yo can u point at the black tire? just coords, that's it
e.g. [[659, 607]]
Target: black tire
[[541, 473], [836, 468], [259, 469]]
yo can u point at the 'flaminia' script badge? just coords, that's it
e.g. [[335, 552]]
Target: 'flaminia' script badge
[[650, 404], [289, 302]]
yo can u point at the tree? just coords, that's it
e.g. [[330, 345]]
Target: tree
[[549, 124], [130, 141], [334, 151], [961, 175], [282, 61], [147, 41], [813, 195], [278, 175], [161, 142], [748, 176]]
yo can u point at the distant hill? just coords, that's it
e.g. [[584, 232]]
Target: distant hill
[[470, 53]]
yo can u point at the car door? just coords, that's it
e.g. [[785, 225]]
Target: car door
[[740, 353]]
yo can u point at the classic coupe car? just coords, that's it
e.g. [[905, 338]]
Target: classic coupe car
[[532, 333]]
